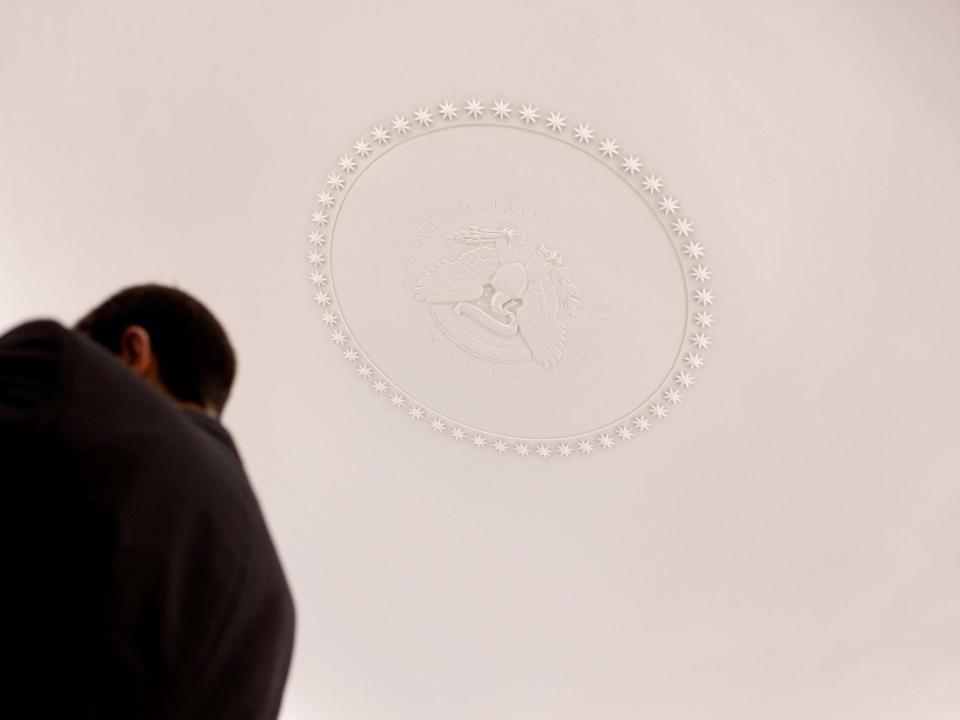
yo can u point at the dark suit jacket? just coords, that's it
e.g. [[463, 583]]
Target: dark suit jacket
[[148, 583]]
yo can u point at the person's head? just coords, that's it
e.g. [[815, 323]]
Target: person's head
[[171, 340]]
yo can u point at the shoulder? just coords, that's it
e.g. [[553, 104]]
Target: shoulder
[[33, 346], [37, 361], [33, 330]]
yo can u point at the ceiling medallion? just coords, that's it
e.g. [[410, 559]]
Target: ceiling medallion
[[517, 314]]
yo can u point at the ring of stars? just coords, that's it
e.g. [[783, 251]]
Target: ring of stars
[[606, 149]]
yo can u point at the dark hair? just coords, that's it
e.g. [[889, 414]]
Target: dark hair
[[195, 360]]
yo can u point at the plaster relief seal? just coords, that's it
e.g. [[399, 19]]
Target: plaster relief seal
[[504, 296]]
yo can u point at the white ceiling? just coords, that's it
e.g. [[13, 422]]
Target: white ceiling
[[784, 547]]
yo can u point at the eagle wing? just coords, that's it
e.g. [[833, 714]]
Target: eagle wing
[[539, 322], [459, 280]]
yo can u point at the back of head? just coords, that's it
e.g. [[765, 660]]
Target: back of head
[[195, 359]]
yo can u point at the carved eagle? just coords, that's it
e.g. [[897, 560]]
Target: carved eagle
[[499, 267]]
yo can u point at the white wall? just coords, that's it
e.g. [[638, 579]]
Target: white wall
[[784, 548]]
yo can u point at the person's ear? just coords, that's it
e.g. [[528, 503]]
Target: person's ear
[[136, 351]]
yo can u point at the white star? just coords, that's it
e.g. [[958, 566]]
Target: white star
[[693, 360], [380, 386], [658, 410], [704, 296], [479, 441], [556, 122], [606, 441], [330, 318], [416, 413], [543, 450], [683, 227], [318, 278], [564, 449], [322, 298], [365, 371], [315, 237], [424, 117], [586, 447], [335, 181], [500, 446], [401, 124], [325, 199], [669, 205], [521, 449], [438, 425], [583, 133], [347, 163], [501, 110], [673, 395], [448, 111], [693, 250], [397, 400], [529, 114], [652, 184], [609, 148], [625, 432], [474, 108], [320, 217], [684, 378], [338, 337], [700, 273], [704, 319], [315, 258], [701, 340], [631, 164], [642, 423], [380, 135], [350, 355], [457, 433], [362, 148]]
